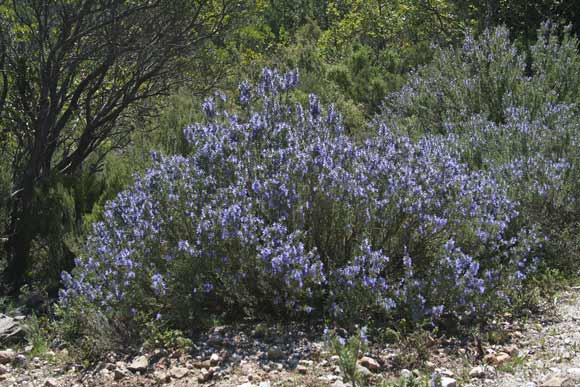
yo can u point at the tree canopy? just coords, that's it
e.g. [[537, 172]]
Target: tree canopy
[[73, 71]]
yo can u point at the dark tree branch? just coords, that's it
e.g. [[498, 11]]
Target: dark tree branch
[[72, 70]]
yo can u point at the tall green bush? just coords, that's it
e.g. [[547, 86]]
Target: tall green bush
[[514, 115]]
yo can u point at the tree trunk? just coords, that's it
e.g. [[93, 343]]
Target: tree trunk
[[22, 231], [19, 263]]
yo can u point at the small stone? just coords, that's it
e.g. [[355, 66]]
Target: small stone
[[511, 350], [120, 373], [139, 364], [214, 359], [50, 382], [448, 382], [567, 355], [497, 359], [477, 372], [7, 356], [445, 372], [326, 379], [501, 358], [205, 375], [370, 363], [405, 373], [202, 364], [574, 372], [178, 372], [3, 369], [265, 384], [363, 371], [162, 376], [555, 381], [10, 329], [530, 384], [275, 353], [246, 385], [302, 370], [104, 374], [540, 363], [334, 358]]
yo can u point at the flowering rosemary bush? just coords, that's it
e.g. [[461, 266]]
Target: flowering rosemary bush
[[513, 116], [277, 211]]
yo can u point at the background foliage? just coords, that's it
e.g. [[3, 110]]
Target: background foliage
[[480, 95]]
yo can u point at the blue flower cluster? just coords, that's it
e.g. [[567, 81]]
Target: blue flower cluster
[[277, 210]]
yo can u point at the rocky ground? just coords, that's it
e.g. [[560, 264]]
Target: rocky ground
[[540, 351], [547, 350]]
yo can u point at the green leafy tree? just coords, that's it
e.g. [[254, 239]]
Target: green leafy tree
[[74, 75], [394, 23], [521, 17]]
